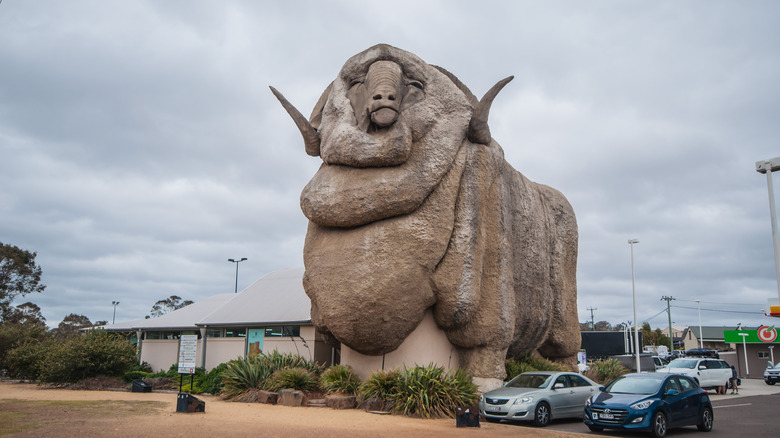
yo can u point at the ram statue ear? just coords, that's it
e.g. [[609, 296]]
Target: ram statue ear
[[479, 131], [311, 138], [316, 114], [358, 98]]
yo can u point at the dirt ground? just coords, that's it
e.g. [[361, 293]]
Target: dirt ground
[[29, 410]]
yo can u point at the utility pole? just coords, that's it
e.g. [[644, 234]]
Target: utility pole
[[592, 321], [669, 312]]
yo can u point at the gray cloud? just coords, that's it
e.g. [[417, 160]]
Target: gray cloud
[[140, 147]]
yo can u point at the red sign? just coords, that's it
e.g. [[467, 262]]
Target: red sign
[[767, 334]]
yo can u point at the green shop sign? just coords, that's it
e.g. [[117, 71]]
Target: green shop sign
[[764, 335]]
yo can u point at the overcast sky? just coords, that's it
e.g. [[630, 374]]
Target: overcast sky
[[140, 146]]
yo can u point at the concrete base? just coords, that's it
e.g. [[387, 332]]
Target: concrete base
[[426, 344], [487, 384]]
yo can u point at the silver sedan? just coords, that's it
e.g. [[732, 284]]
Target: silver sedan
[[538, 396]]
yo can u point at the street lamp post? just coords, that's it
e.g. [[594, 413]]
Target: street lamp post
[[744, 352], [237, 262], [115, 303], [701, 338], [767, 167], [631, 243]]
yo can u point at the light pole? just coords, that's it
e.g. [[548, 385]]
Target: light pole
[[767, 167], [701, 338], [115, 303], [744, 351], [631, 243], [237, 262]]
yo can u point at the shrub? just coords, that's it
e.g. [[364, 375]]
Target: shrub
[[528, 363], [380, 384], [294, 378], [134, 375], [96, 353], [431, 392], [241, 375], [604, 371], [212, 381], [340, 379], [278, 361], [25, 361]]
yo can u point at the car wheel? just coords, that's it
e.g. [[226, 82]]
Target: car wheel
[[595, 428], [770, 382], [705, 425], [659, 425], [542, 414]]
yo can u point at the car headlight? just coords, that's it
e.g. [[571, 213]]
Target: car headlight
[[641, 405], [523, 400]]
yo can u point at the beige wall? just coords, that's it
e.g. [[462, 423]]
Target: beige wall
[[221, 350], [160, 354], [426, 344]]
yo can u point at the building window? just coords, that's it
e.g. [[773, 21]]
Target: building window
[[153, 335], [285, 331], [763, 355], [171, 335], [235, 333], [214, 333]]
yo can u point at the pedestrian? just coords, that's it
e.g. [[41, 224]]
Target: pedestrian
[[733, 381]]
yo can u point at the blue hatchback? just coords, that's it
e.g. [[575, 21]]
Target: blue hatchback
[[649, 402]]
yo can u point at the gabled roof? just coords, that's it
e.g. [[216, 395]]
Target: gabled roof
[[276, 298]]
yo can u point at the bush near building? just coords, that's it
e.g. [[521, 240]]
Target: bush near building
[[96, 353]]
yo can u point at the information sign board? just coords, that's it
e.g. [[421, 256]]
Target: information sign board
[[188, 347]]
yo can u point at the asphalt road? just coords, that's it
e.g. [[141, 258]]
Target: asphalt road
[[735, 415]]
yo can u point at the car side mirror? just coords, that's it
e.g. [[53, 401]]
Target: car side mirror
[[671, 392], [601, 388], [702, 367], [558, 385]]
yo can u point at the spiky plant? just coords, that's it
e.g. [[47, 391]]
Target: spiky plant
[[430, 391], [605, 371], [241, 375], [277, 361], [340, 379], [293, 378], [380, 384]]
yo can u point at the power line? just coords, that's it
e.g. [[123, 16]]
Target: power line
[[718, 310]]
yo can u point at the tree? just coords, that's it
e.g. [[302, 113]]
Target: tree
[[71, 325], [168, 305], [19, 275], [23, 324], [26, 313], [603, 326]]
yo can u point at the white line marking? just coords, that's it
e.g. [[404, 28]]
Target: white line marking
[[732, 406]]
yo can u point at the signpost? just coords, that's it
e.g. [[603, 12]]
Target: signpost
[[188, 347]]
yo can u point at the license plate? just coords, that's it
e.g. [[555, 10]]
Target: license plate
[[604, 416], [493, 408]]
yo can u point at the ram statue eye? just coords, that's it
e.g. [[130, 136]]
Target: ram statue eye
[[416, 84], [354, 82]]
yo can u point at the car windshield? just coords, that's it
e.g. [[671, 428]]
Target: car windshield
[[628, 385], [529, 381], [683, 363]]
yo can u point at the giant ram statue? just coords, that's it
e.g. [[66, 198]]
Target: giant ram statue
[[415, 209]]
